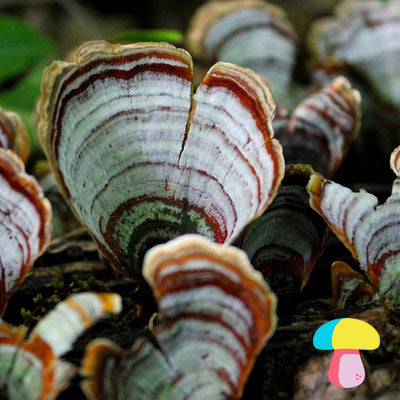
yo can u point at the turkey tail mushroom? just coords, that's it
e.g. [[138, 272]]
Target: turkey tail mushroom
[[25, 224], [321, 128], [141, 160], [362, 37], [215, 315], [250, 33], [368, 229], [349, 287], [31, 368], [287, 240], [13, 134]]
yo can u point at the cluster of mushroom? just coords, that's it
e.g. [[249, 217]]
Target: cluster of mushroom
[[164, 183], [142, 160], [226, 290], [25, 223], [360, 41]]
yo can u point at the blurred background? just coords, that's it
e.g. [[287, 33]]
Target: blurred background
[[35, 32], [69, 22]]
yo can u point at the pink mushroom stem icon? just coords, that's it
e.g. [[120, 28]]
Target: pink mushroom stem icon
[[346, 336]]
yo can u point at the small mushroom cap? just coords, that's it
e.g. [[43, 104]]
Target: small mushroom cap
[[346, 333]]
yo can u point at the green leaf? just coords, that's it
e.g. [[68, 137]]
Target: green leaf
[[20, 47], [22, 99], [26, 91], [153, 35]]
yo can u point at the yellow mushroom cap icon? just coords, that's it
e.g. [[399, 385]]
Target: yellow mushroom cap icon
[[346, 333]]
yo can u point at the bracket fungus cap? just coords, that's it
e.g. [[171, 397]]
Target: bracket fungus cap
[[251, 33], [363, 37], [349, 287], [215, 315], [321, 128], [13, 134], [141, 160], [25, 223], [287, 240], [31, 368], [368, 229]]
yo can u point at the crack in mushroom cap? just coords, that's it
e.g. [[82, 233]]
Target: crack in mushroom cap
[[141, 160], [250, 33], [363, 36], [13, 134], [25, 224], [215, 315], [369, 230], [30, 369]]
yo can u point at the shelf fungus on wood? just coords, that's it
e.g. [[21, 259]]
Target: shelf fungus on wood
[[141, 160], [215, 315], [250, 33], [320, 130], [363, 37], [31, 368], [25, 224], [13, 134], [349, 287], [369, 230], [287, 240]]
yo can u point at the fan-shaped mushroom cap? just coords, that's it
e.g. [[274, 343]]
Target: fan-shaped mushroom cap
[[215, 315], [31, 369], [250, 33], [364, 37], [286, 241], [321, 128], [13, 134], [25, 223], [141, 160], [368, 229], [349, 286]]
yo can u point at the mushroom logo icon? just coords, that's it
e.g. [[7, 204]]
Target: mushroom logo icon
[[346, 336]]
